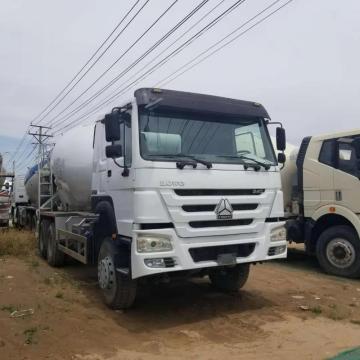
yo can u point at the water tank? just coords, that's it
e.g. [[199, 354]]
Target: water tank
[[71, 165]]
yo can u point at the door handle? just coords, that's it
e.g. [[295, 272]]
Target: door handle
[[109, 173], [338, 195]]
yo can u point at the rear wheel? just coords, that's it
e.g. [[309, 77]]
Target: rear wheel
[[119, 290], [43, 228], [55, 257], [230, 279], [338, 251], [28, 221], [33, 221]]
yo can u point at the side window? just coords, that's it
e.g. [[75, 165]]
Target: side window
[[347, 159], [327, 153], [248, 140]]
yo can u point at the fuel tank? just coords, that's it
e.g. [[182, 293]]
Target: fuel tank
[[71, 166]]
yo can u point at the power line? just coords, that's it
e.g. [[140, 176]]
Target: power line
[[223, 39], [169, 56], [89, 60], [86, 72], [163, 82], [77, 74], [146, 53], [117, 60]]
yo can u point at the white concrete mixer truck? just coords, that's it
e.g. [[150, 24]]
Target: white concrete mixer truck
[[322, 200], [169, 184]]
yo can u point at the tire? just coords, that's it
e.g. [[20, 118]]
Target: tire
[[33, 221], [28, 222], [119, 291], [55, 257], [230, 279], [42, 242], [338, 251]]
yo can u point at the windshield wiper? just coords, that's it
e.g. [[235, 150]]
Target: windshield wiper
[[208, 164], [180, 164], [242, 157]]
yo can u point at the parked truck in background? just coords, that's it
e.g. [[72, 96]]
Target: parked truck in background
[[23, 213], [322, 200], [170, 184], [5, 202]]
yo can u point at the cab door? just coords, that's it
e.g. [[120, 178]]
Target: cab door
[[346, 175], [120, 177]]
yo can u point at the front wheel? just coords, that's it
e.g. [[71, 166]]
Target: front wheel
[[55, 257], [119, 290], [230, 279], [338, 251]]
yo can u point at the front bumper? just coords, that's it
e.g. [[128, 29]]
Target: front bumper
[[184, 261]]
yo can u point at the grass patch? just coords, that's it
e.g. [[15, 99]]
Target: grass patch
[[30, 334], [17, 243], [59, 295], [316, 310], [334, 315], [9, 308]]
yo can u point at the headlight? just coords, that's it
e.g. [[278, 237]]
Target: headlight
[[149, 243], [278, 234]]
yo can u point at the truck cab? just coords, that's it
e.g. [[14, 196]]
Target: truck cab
[[182, 185], [327, 201], [191, 182]]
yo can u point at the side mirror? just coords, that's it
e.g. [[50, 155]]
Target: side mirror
[[280, 139], [112, 127], [7, 186], [281, 158], [356, 146], [113, 151]]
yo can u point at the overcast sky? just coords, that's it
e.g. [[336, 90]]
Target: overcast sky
[[302, 64]]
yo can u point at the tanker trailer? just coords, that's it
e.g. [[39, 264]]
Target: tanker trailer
[[166, 186], [24, 199]]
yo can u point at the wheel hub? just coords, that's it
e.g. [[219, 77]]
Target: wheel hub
[[340, 253], [106, 273]]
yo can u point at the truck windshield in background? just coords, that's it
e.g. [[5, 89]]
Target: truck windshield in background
[[166, 134]]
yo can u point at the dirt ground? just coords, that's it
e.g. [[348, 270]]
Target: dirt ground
[[287, 310]]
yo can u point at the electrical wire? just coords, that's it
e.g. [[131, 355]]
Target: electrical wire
[[226, 37], [90, 59], [86, 72], [138, 60], [116, 61], [167, 79], [13, 157], [174, 52]]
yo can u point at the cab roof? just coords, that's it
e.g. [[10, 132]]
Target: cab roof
[[193, 102]]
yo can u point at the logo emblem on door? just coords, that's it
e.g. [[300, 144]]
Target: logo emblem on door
[[224, 210]]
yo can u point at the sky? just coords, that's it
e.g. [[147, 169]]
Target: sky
[[302, 63]]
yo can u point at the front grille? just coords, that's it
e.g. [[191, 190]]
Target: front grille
[[218, 192], [212, 252], [204, 208], [219, 223]]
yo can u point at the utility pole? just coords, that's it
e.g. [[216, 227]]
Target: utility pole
[[39, 133]]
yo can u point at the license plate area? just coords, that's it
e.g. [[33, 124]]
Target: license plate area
[[226, 259]]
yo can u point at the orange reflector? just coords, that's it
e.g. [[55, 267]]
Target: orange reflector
[[332, 209], [113, 236]]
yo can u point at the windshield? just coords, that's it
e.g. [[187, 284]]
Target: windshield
[[170, 135]]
